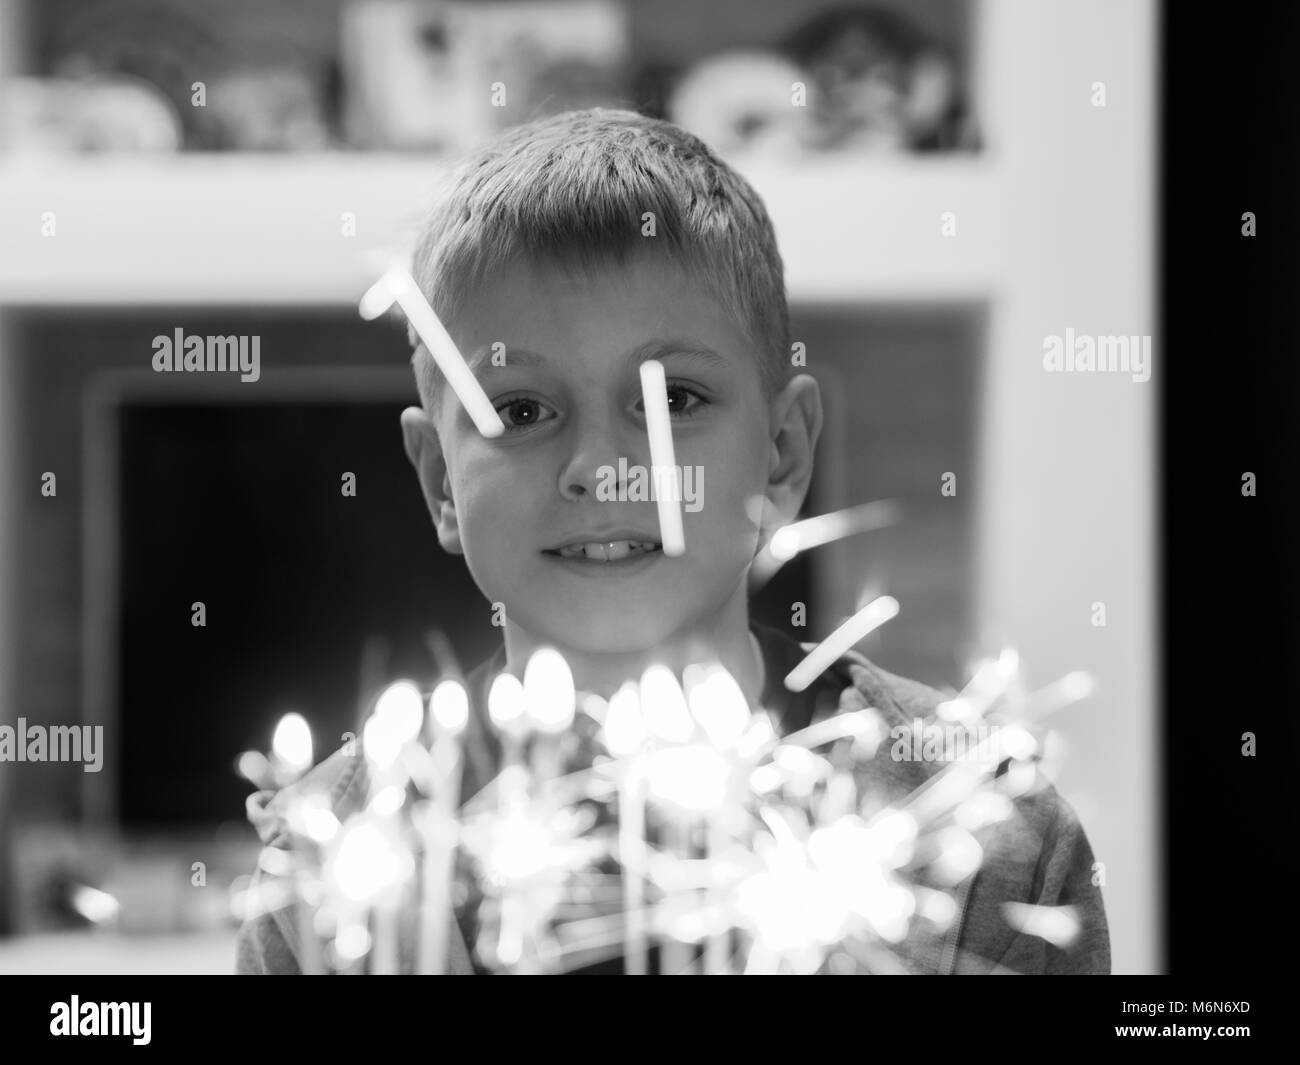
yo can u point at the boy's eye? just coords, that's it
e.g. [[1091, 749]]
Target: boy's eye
[[522, 412], [682, 401]]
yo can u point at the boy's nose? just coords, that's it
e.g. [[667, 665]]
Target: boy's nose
[[594, 461]]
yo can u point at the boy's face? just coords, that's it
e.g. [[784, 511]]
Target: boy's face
[[570, 395]]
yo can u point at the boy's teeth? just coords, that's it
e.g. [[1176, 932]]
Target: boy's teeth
[[609, 551]]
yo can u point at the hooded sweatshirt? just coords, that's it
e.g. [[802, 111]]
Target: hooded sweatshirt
[[1037, 855]]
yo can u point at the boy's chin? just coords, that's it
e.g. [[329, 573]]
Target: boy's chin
[[625, 632]]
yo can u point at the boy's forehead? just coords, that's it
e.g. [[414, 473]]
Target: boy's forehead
[[534, 286], [647, 307]]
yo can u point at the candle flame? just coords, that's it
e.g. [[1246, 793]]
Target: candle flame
[[292, 742], [1059, 925], [548, 691], [365, 864], [718, 704], [318, 820], [959, 855], [506, 704], [97, 906], [693, 777], [664, 705], [401, 709], [352, 942], [449, 707], [382, 742], [625, 729], [253, 766]]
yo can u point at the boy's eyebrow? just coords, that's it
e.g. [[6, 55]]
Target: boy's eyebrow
[[480, 363]]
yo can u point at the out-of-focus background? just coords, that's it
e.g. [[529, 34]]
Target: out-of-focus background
[[955, 189]]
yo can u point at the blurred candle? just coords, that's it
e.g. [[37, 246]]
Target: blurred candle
[[866, 620], [667, 717], [506, 709], [717, 948], [625, 735], [663, 460], [549, 704], [718, 705], [676, 957], [664, 706], [290, 749], [448, 716], [397, 285], [396, 721]]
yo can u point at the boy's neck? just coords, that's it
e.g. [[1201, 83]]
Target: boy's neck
[[725, 638]]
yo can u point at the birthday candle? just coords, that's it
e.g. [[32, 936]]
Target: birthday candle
[[397, 285], [789, 540], [870, 617], [625, 734], [717, 948], [669, 720], [395, 722], [309, 952], [718, 704], [663, 461], [549, 703], [365, 870], [506, 710], [291, 751], [448, 716]]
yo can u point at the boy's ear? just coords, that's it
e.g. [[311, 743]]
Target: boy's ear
[[796, 422], [424, 449]]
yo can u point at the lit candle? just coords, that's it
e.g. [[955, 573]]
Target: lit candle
[[309, 952], [364, 870], [549, 703], [398, 286], [506, 709], [291, 751], [719, 706], [396, 722], [669, 720], [820, 658], [625, 736], [663, 459], [448, 716]]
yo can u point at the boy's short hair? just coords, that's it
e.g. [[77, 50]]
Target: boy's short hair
[[573, 189]]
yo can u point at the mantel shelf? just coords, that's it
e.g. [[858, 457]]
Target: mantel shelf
[[266, 230]]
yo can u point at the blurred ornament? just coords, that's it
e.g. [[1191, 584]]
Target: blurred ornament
[[274, 108], [740, 102], [883, 82], [100, 113]]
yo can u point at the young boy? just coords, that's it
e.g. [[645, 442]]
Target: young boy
[[569, 251]]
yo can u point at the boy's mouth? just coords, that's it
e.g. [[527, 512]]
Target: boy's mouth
[[605, 549]]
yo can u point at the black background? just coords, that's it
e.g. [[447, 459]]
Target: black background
[[1231, 107]]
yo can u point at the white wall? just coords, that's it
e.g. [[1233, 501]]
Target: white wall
[[1068, 467]]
